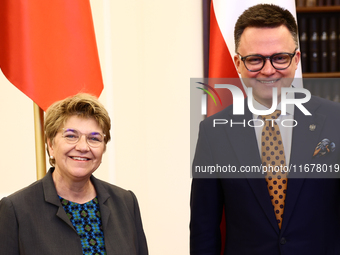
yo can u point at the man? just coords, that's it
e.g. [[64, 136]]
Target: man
[[308, 221]]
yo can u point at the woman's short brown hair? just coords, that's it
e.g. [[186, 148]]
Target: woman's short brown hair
[[81, 105]]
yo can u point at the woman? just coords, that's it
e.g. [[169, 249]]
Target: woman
[[69, 211]]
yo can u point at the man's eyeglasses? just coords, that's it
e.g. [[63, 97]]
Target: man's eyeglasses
[[93, 139], [280, 61]]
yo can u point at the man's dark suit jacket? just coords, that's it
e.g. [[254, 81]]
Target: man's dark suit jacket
[[311, 222], [33, 221]]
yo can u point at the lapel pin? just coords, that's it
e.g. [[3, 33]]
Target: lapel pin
[[324, 147], [312, 127]]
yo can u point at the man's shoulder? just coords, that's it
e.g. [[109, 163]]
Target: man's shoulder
[[314, 103], [323, 105], [225, 113]]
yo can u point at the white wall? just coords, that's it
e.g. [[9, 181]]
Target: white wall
[[148, 50]]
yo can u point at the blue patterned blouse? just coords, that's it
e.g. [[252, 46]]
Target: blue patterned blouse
[[87, 222]]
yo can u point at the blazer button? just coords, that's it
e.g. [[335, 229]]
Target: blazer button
[[283, 240]]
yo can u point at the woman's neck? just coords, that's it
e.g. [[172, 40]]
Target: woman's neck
[[78, 191]]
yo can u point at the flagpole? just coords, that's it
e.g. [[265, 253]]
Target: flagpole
[[39, 141]]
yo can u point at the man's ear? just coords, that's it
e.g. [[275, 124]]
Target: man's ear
[[237, 62], [297, 57]]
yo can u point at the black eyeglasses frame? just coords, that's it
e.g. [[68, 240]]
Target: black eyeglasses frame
[[270, 58]]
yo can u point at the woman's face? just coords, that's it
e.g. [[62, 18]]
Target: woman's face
[[77, 161]]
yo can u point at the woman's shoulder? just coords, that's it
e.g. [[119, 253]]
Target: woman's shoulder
[[107, 190], [34, 193], [32, 190]]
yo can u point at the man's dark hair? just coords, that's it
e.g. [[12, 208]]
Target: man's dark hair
[[265, 15]]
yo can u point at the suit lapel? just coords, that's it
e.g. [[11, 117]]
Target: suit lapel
[[109, 230], [51, 197], [103, 196], [304, 142], [243, 141]]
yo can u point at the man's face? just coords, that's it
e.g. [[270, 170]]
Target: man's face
[[266, 42]]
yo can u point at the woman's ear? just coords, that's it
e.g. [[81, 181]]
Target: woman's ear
[[50, 147]]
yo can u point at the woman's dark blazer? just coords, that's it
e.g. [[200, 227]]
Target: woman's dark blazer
[[33, 221]]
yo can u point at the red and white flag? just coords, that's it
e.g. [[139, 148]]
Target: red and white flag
[[223, 16], [48, 49]]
